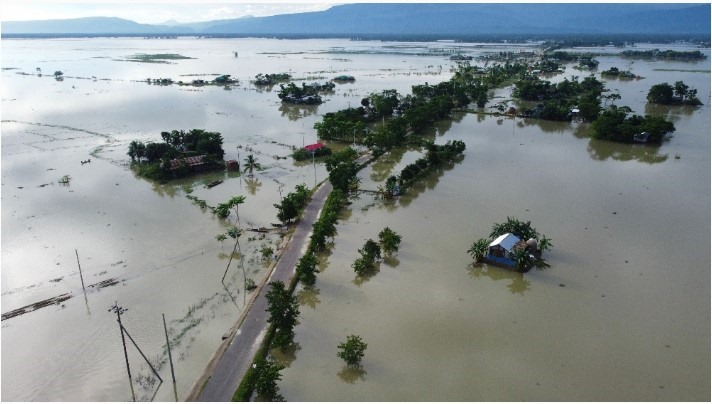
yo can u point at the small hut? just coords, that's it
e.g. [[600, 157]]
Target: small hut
[[500, 250], [233, 165]]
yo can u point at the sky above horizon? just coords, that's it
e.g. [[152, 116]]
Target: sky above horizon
[[152, 12]]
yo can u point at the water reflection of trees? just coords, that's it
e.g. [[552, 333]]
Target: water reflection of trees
[[294, 112], [286, 355], [602, 150], [391, 260], [518, 285], [253, 184], [672, 113], [366, 276], [350, 374], [308, 296]]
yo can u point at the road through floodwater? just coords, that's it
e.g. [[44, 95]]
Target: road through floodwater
[[630, 227]]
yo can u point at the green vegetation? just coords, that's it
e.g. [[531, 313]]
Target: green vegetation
[[614, 72], [251, 164], [666, 54], [155, 58], [390, 240], [270, 79], [523, 230], [352, 350], [679, 94], [284, 310], [614, 124], [291, 206], [302, 154], [306, 94], [478, 250], [306, 268], [326, 225], [370, 253], [435, 156], [558, 100], [265, 375], [223, 210], [163, 161], [525, 254]]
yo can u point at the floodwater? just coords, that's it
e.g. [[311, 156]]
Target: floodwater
[[622, 313]]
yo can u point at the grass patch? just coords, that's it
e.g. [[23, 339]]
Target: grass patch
[[681, 70], [155, 57]]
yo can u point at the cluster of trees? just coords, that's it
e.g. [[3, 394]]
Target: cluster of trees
[[306, 94], [435, 156], [389, 242], [617, 125], [293, 94], [271, 79], [291, 205], [522, 254], [153, 159], [679, 94], [403, 115], [614, 72], [559, 99], [342, 170]]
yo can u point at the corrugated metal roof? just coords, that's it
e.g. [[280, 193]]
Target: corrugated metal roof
[[506, 241], [191, 161]]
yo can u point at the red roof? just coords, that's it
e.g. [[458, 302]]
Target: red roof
[[315, 146]]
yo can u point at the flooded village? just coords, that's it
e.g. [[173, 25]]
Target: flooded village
[[158, 179]]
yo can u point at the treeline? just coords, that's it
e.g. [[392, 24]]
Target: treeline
[[434, 157], [402, 116], [666, 54]]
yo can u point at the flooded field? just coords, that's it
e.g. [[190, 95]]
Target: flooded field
[[622, 313]]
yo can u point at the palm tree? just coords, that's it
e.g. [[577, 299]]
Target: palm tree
[[251, 164]]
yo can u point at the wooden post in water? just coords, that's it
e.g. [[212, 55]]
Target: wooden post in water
[[170, 358], [118, 311], [80, 271]]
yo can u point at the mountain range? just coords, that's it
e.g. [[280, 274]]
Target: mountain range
[[404, 19]]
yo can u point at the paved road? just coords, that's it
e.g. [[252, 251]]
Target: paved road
[[231, 361]]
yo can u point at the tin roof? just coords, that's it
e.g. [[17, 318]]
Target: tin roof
[[315, 146], [190, 161], [506, 241]]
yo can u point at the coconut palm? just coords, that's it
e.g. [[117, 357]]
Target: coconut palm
[[251, 164]]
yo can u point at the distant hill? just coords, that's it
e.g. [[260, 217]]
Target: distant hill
[[432, 19], [88, 25]]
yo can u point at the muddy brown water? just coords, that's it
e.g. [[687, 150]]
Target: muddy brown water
[[630, 227]]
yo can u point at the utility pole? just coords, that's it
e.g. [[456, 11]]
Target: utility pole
[[118, 310], [170, 358]]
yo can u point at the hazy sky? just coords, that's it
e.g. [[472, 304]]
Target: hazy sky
[[151, 12]]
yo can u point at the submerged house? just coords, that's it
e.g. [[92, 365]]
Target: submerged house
[[500, 251]]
